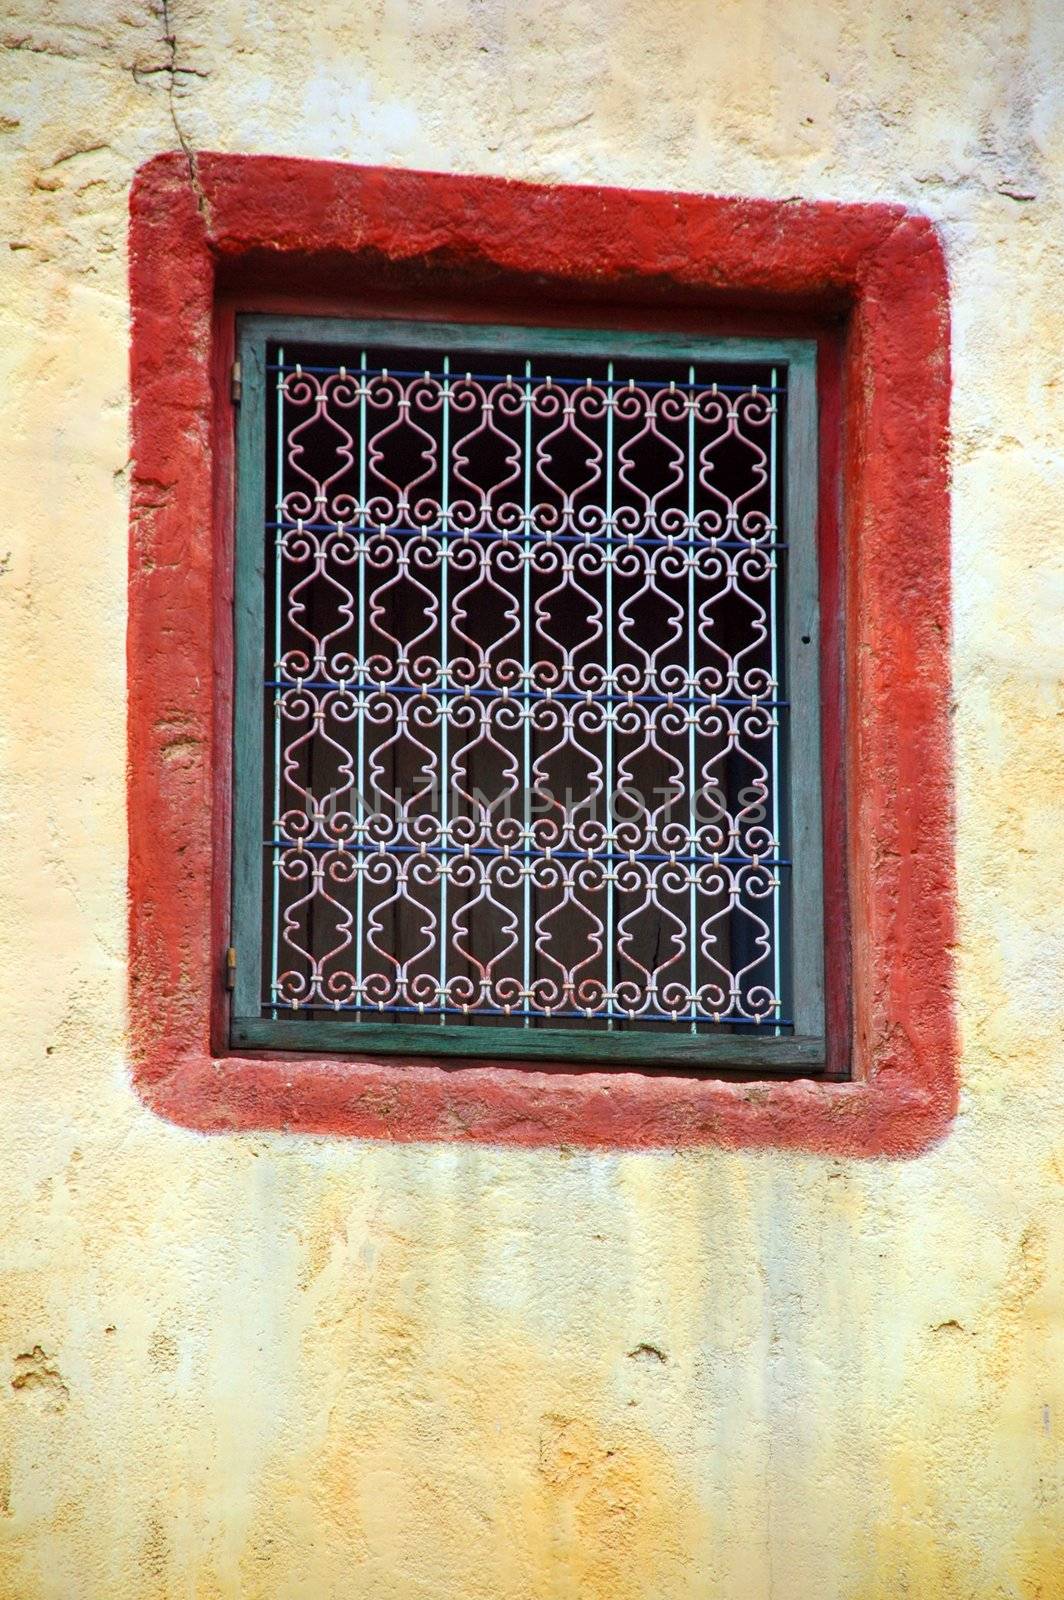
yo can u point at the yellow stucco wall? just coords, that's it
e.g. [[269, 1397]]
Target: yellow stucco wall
[[291, 1367]]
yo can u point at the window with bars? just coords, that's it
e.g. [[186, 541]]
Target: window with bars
[[527, 742]]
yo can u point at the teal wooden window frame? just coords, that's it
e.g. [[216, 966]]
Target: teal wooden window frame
[[801, 1051]]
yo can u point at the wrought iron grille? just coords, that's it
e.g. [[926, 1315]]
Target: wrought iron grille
[[522, 655]]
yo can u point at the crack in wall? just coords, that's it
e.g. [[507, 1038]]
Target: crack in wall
[[173, 71]]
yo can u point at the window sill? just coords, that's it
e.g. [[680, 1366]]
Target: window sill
[[409, 1099]]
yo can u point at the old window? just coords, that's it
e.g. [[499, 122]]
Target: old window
[[868, 286], [527, 735]]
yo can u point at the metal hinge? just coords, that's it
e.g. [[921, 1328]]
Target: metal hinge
[[236, 384], [230, 968]]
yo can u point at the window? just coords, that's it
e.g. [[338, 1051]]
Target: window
[[527, 703], [220, 269]]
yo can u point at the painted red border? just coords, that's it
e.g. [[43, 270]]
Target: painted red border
[[231, 230]]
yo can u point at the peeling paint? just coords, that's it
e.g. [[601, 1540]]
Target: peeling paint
[[35, 1373]]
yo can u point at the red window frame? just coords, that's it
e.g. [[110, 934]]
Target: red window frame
[[245, 233]]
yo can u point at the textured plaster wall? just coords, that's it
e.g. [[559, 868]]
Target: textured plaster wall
[[279, 1367]]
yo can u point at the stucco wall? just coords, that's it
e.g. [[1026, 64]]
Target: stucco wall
[[275, 1366]]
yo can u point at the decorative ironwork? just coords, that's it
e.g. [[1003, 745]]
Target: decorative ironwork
[[525, 727]]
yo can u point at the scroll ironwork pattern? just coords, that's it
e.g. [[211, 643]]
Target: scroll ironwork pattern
[[525, 721]]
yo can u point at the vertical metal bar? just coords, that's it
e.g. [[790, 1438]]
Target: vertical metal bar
[[445, 684], [692, 632], [526, 681], [361, 837], [277, 616], [777, 929], [610, 705]]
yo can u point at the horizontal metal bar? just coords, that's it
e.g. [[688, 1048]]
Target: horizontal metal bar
[[677, 858], [526, 1016], [575, 1048], [457, 536], [517, 694], [522, 384]]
